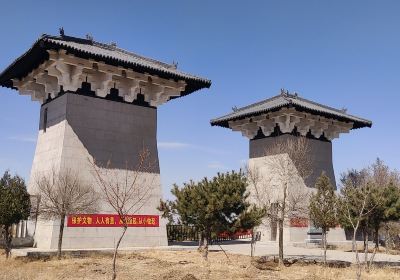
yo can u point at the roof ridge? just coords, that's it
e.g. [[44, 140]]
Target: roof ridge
[[319, 104], [105, 46], [112, 48], [67, 38], [328, 107], [257, 103], [110, 53], [283, 100]]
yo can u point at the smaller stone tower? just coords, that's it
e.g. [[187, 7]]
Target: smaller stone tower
[[284, 117]]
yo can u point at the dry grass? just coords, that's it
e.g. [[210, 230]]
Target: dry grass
[[186, 265], [348, 248]]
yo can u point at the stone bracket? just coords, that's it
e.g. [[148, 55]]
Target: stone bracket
[[68, 71], [288, 119]]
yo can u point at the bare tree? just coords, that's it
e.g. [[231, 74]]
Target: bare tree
[[369, 200], [259, 197], [126, 191], [356, 203], [61, 194], [282, 190]]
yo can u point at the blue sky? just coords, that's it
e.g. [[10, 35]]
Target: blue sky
[[339, 53]]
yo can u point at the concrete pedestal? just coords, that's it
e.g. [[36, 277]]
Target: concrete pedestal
[[75, 129], [270, 185]]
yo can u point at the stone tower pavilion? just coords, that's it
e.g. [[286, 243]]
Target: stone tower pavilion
[[286, 117], [98, 102]]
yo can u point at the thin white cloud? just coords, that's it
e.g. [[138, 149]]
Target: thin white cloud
[[182, 145], [173, 145], [30, 139], [216, 165]]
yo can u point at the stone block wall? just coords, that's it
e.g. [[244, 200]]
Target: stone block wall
[[80, 129]]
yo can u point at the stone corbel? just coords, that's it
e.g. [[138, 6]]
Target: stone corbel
[[28, 86], [336, 128], [101, 83], [128, 89], [50, 84], [250, 130], [71, 75], [286, 122], [167, 94], [267, 126], [303, 126], [68, 71], [318, 128], [152, 92], [331, 134], [38, 93]]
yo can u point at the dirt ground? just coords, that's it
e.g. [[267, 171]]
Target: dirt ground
[[348, 248], [185, 265]]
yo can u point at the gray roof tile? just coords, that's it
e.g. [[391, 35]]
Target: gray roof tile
[[289, 100], [101, 52], [108, 51]]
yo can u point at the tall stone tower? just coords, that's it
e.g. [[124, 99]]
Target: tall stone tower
[[286, 117], [98, 102]]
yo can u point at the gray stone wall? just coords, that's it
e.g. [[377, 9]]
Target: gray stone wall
[[82, 128], [321, 155], [110, 131]]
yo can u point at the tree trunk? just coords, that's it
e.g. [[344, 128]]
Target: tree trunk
[[8, 240], [366, 250], [324, 244], [60, 236], [252, 244], [201, 241], [114, 276], [386, 239], [281, 221], [205, 246], [358, 273], [376, 237], [363, 232], [371, 260], [280, 225]]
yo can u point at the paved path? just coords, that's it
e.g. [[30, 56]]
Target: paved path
[[262, 249]]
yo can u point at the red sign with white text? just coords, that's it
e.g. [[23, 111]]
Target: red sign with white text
[[299, 222], [110, 220]]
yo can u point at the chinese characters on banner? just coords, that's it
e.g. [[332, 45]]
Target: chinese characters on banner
[[110, 220], [299, 222]]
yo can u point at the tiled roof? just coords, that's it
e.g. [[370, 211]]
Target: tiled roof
[[108, 53], [289, 100]]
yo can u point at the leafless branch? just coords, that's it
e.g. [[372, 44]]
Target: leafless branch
[[126, 191]]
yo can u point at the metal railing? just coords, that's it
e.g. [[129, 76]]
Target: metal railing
[[191, 233]]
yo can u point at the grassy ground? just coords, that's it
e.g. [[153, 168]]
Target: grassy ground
[[348, 248], [186, 265]]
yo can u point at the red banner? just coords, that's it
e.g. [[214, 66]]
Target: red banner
[[236, 234], [111, 220], [299, 222]]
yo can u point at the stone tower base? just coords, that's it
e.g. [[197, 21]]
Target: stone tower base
[[270, 189], [76, 129]]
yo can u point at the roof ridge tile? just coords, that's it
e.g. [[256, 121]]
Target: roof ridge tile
[[99, 51], [269, 105]]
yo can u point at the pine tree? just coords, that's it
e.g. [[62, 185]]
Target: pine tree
[[387, 193], [14, 205], [323, 208], [215, 206]]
